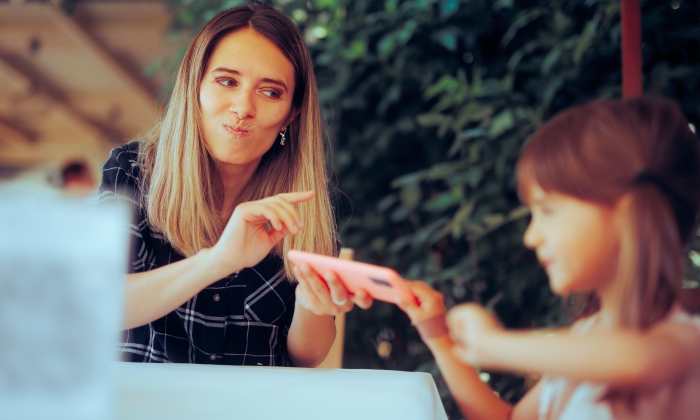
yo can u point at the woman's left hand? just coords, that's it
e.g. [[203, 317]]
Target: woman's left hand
[[470, 326], [327, 295]]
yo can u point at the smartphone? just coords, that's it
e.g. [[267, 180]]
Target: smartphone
[[380, 283]]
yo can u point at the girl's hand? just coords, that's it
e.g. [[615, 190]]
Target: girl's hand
[[470, 325], [326, 296], [254, 228], [430, 303]]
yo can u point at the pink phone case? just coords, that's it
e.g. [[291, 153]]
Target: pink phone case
[[381, 283]]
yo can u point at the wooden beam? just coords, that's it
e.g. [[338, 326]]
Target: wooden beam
[[74, 70], [146, 101], [27, 83], [16, 132], [631, 48]]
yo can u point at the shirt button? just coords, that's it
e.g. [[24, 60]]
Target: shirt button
[[216, 298], [213, 357]]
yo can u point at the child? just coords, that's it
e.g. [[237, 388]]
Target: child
[[614, 189]]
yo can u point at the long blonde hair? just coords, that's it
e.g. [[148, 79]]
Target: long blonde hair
[[184, 192]]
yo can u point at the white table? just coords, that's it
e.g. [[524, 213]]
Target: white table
[[201, 392]]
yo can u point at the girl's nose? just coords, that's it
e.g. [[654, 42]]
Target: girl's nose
[[242, 104], [532, 237]]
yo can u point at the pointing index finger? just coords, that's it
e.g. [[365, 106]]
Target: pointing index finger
[[298, 197]]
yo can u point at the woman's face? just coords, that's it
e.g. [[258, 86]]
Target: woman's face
[[245, 98], [575, 241]]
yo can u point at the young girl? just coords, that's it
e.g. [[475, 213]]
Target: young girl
[[614, 189]]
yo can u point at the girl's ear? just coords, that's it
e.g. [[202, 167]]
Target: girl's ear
[[621, 214], [621, 207]]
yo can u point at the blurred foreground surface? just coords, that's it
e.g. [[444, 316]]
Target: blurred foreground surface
[[62, 265]]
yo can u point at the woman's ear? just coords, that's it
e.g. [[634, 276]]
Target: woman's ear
[[293, 113]]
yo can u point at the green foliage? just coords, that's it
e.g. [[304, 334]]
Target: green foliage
[[428, 104]]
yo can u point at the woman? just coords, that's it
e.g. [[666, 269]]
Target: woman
[[215, 189]]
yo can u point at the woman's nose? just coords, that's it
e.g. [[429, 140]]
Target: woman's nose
[[242, 103]]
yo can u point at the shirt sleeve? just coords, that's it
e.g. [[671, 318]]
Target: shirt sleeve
[[120, 183]]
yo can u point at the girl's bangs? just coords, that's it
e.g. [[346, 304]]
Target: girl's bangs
[[553, 159]]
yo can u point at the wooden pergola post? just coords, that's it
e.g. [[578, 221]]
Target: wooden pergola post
[[631, 48]]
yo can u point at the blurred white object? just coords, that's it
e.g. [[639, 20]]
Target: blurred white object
[[62, 267], [177, 391]]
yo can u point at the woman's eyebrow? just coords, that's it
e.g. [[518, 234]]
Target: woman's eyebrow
[[238, 73]]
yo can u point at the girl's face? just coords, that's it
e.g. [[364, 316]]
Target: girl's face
[[245, 97], [576, 241]]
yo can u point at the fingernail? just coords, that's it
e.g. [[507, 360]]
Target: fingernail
[[329, 276], [305, 269], [300, 224]]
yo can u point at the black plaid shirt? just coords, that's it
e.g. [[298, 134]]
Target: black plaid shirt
[[242, 319]]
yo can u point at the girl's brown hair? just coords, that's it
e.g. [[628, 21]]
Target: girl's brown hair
[[641, 149], [181, 178]]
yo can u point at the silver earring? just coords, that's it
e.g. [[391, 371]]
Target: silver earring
[[282, 133]]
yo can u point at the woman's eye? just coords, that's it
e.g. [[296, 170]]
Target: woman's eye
[[271, 94], [226, 82]]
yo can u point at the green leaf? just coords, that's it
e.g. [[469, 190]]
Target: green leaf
[[444, 84], [431, 119], [521, 52], [518, 213], [550, 89], [462, 138], [448, 37], [186, 17], [460, 219], [474, 176], [400, 243], [561, 23], [493, 220], [357, 49], [523, 19], [386, 202], [399, 214], [694, 257], [410, 196], [386, 46], [466, 114], [444, 201], [503, 4], [550, 60], [406, 32], [407, 179], [501, 123], [449, 7], [585, 40]]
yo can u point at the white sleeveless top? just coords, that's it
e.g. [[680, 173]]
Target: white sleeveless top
[[677, 400]]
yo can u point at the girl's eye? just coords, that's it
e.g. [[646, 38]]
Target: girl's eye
[[541, 209], [271, 94], [226, 82]]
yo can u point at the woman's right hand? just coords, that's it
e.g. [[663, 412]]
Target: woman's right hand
[[326, 295], [254, 228]]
